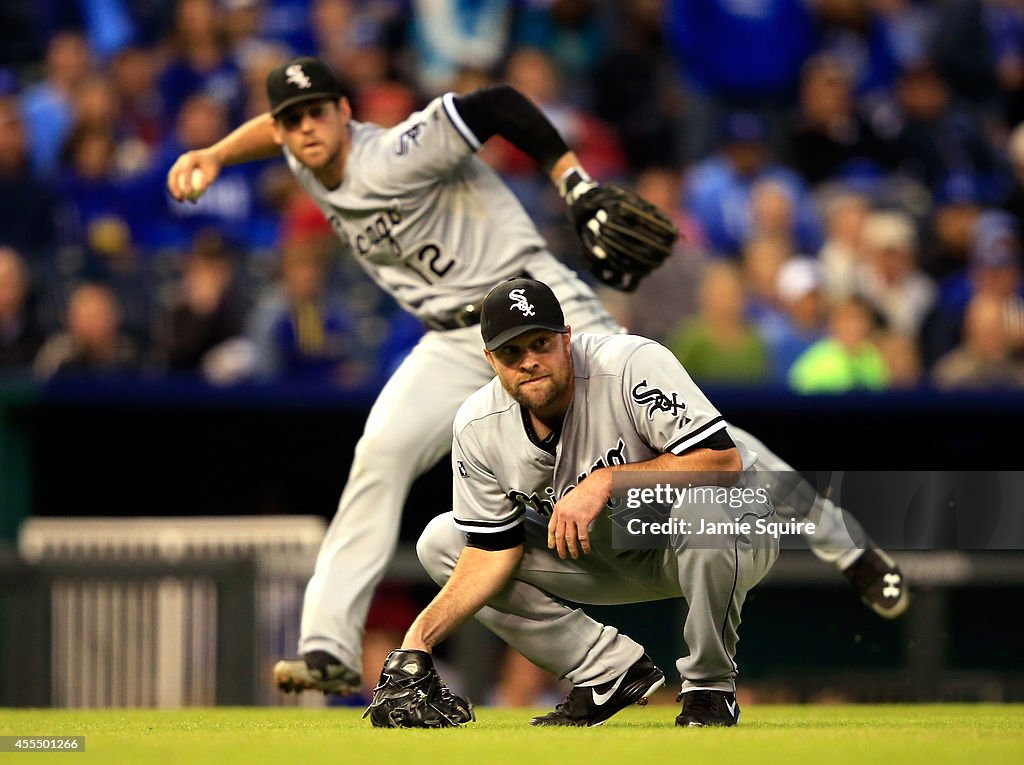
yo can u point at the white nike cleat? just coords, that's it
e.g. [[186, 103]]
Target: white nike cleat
[[586, 706]]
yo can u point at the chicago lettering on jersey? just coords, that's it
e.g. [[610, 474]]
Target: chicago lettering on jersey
[[427, 259], [613, 456], [380, 229]]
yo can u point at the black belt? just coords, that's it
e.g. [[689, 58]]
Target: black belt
[[467, 316]]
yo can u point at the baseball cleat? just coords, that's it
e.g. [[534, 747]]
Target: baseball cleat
[[704, 708], [586, 706], [316, 671], [880, 583]]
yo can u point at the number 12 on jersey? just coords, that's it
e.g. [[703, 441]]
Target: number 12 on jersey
[[430, 262]]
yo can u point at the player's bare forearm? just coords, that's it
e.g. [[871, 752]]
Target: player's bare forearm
[[250, 141], [706, 467], [194, 171], [569, 525], [566, 162], [476, 578]]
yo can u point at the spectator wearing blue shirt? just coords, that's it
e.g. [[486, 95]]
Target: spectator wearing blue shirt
[[799, 322], [994, 271], [455, 35], [201, 62], [301, 331], [937, 141], [232, 205], [27, 205], [87, 186], [571, 32], [48, 106], [871, 42], [737, 54], [286, 22], [720, 190]]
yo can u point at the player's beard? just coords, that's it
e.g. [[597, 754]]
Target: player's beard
[[539, 396]]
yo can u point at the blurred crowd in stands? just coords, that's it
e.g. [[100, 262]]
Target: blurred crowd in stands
[[848, 176]]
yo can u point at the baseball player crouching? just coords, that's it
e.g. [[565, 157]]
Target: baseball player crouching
[[533, 456], [435, 227]]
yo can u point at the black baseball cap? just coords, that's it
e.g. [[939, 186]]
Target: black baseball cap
[[516, 306], [300, 79]]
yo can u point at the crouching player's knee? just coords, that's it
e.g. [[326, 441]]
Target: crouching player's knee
[[439, 547]]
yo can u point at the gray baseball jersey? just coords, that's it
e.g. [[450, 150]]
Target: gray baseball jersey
[[430, 222], [632, 401]]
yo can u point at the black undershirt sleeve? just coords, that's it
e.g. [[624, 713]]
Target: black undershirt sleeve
[[719, 442], [502, 540], [503, 110]]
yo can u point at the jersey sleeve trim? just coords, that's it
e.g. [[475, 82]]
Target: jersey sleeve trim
[[491, 527], [693, 439], [504, 540], [448, 102]]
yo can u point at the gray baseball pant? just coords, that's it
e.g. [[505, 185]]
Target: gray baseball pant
[[529, 614], [408, 430], [838, 537]]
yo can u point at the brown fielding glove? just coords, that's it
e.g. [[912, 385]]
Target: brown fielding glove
[[624, 236]]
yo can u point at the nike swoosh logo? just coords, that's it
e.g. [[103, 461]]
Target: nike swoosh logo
[[731, 706], [601, 698]]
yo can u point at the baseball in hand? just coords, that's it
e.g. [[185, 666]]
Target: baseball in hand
[[197, 179]]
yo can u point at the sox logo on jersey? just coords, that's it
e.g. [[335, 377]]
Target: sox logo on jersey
[[409, 137], [656, 400], [519, 302]]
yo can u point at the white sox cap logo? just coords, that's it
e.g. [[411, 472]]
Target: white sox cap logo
[[297, 77], [533, 306], [520, 302]]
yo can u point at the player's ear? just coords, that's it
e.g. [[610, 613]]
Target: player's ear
[[487, 355], [344, 109], [275, 129]]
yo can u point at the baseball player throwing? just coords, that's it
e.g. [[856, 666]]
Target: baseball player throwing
[[533, 457], [435, 228]]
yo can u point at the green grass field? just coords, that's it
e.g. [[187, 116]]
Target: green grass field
[[864, 735]]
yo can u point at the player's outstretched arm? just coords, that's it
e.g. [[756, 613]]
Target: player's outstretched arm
[[410, 693], [624, 236], [477, 577], [194, 171]]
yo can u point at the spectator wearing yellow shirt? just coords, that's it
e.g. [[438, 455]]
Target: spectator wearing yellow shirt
[[719, 346], [845, 360]]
